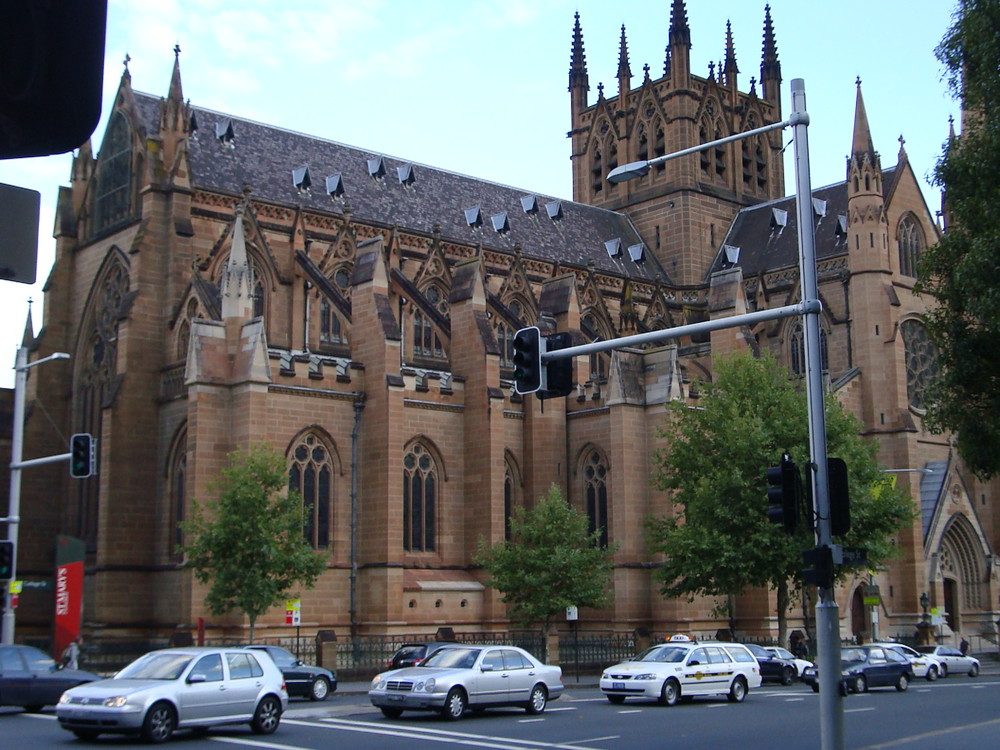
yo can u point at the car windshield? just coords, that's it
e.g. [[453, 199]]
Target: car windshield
[[853, 655], [37, 660], [460, 658], [781, 652], [926, 649], [156, 667], [671, 654]]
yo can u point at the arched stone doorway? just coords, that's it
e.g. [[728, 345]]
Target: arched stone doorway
[[961, 564], [858, 625]]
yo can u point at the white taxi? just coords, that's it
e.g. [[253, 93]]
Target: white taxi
[[683, 668]]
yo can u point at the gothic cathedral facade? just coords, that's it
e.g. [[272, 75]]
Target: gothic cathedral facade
[[221, 283]]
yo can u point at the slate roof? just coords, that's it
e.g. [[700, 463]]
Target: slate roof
[[931, 486], [765, 246], [266, 156]]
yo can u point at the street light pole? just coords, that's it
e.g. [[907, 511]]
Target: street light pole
[[827, 616], [21, 367]]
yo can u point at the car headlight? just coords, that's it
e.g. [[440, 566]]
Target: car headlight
[[647, 676], [64, 699], [377, 682], [117, 702], [425, 685]]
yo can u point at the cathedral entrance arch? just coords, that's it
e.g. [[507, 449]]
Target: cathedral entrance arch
[[961, 563], [857, 613]]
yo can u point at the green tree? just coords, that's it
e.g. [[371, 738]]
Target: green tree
[[549, 563], [248, 543], [719, 541], [961, 272]]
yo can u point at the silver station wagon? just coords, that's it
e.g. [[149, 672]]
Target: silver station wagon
[[179, 688], [683, 668], [456, 678]]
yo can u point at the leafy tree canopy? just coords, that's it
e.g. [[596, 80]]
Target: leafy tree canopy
[[719, 542], [549, 563], [961, 272], [248, 544]]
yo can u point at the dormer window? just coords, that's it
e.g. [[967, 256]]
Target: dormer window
[[335, 185], [819, 208], [500, 223], [225, 134], [779, 218], [637, 252], [614, 247], [529, 203], [406, 174], [554, 210], [301, 179], [474, 216], [376, 167]]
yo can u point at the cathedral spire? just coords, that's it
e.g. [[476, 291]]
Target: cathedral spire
[[579, 85], [624, 70], [236, 284], [679, 45], [28, 337], [770, 67], [730, 68], [176, 92], [861, 143]]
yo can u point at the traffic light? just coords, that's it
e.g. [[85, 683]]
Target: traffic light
[[528, 373], [6, 561], [81, 455], [558, 372], [840, 501], [819, 567], [784, 493]]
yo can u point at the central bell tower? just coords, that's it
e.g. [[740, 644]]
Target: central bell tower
[[683, 208]]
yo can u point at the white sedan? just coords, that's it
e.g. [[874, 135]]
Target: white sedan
[[675, 670], [784, 653], [458, 677], [924, 665], [952, 660]]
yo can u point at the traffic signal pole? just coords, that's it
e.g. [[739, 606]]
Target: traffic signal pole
[[13, 519], [827, 616]]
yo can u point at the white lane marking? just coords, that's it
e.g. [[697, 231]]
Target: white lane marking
[[927, 735], [858, 710], [415, 732], [50, 717], [631, 711], [794, 700]]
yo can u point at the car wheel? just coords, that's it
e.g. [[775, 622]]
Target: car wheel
[[34, 708], [267, 716], [974, 671], [787, 676], [536, 702], [815, 687], [391, 713], [670, 693], [738, 690], [159, 724], [902, 682], [944, 670], [932, 673], [87, 735], [455, 704], [616, 699], [842, 687], [319, 689], [860, 684]]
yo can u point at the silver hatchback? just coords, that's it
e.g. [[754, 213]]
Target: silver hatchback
[[179, 688]]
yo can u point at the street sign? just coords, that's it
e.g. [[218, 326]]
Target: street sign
[[872, 596], [851, 557], [293, 611]]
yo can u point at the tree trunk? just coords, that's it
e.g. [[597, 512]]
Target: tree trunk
[[782, 605], [252, 622]]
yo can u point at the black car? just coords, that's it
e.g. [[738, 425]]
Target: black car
[[32, 679], [303, 680], [864, 667], [773, 668], [411, 654]]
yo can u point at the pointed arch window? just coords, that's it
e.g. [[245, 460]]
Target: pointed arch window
[[330, 328], [113, 193], [420, 482], [921, 361], [910, 241], [178, 497], [310, 473], [597, 171], [659, 147], [595, 474], [98, 361], [258, 298], [704, 160], [426, 341], [508, 501], [599, 361], [797, 347]]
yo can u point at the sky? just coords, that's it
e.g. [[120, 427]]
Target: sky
[[479, 87]]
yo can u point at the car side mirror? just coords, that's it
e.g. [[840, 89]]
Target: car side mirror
[[298, 663], [486, 668], [196, 678], [693, 663]]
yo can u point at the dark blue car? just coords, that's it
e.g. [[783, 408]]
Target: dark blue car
[[864, 667], [31, 678]]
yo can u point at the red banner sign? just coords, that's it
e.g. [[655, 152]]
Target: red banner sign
[[69, 592]]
